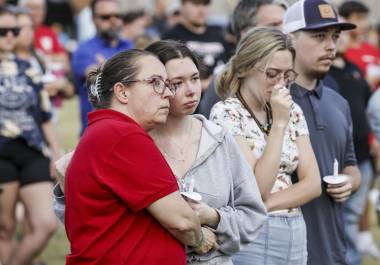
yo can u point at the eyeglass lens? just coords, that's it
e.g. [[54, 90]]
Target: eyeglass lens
[[275, 75], [159, 85]]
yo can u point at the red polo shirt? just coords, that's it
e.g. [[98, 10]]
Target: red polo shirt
[[115, 173]]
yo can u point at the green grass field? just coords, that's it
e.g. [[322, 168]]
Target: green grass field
[[68, 132]]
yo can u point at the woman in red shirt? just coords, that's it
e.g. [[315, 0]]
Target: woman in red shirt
[[122, 200]]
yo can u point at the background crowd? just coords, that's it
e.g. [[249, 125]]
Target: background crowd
[[63, 41]]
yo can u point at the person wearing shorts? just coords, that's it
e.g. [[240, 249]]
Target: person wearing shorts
[[28, 146]]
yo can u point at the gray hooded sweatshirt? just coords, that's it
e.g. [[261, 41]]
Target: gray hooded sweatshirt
[[226, 182]]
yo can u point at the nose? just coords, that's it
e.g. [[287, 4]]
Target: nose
[[280, 80], [190, 89], [281, 83], [331, 44], [116, 20], [10, 33], [168, 93]]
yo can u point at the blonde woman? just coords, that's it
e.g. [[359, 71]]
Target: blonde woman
[[272, 132]]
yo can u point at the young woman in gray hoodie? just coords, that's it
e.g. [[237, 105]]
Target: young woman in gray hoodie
[[205, 158]]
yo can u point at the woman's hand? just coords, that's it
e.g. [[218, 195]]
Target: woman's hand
[[281, 103], [208, 242], [207, 215]]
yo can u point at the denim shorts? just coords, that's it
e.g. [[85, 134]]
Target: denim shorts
[[281, 241]]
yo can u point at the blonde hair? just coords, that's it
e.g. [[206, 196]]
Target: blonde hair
[[257, 46]]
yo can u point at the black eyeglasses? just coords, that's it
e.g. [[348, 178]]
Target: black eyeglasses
[[273, 76], [4, 31], [159, 85], [109, 16]]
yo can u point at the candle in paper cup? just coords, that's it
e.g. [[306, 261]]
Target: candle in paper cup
[[335, 178], [190, 194], [192, 183], [335, 168], [194, 196]]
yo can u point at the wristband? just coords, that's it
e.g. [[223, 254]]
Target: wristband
[[201, 241]]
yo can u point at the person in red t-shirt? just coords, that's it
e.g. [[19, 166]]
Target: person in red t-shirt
[[360, 52], [46, 42], [122, 200]]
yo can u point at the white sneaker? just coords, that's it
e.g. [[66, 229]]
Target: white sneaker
[[367, 246]]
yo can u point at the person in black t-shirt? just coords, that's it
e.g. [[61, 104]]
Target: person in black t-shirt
[[207, 41]]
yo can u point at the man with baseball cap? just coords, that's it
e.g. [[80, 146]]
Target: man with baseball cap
[[314, 28]]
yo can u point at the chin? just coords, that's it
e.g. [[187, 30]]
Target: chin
[[189, 113], [198, 24], [160, 120], [320, 74]]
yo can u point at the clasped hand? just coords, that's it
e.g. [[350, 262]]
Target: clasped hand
[[205, 214], [208, 243]]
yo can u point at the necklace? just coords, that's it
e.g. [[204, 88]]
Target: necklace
[[265, 128], [181, 149]]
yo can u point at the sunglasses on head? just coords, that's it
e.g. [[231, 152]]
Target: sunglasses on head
[[109, 16], [4, 31]]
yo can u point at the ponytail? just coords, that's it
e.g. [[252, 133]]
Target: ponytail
[[227, 82], [95, 92]]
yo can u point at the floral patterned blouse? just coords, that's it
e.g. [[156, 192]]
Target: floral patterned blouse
[[235, 117]]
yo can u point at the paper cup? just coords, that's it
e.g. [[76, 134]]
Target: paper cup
[[335, 179], [192, 196]]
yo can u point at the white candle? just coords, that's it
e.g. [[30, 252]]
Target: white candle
[[335, 168], [192, 183]]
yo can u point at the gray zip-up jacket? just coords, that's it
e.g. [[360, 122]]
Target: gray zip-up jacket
[[225, 180]]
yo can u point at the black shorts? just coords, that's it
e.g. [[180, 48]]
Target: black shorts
[[19, 162]]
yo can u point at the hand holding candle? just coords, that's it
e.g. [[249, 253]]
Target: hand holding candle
[[335, 178]]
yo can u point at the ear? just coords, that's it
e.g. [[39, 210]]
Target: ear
[[121, 92]]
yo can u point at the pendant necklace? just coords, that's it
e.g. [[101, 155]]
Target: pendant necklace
[[181, 149], [265, 128]]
